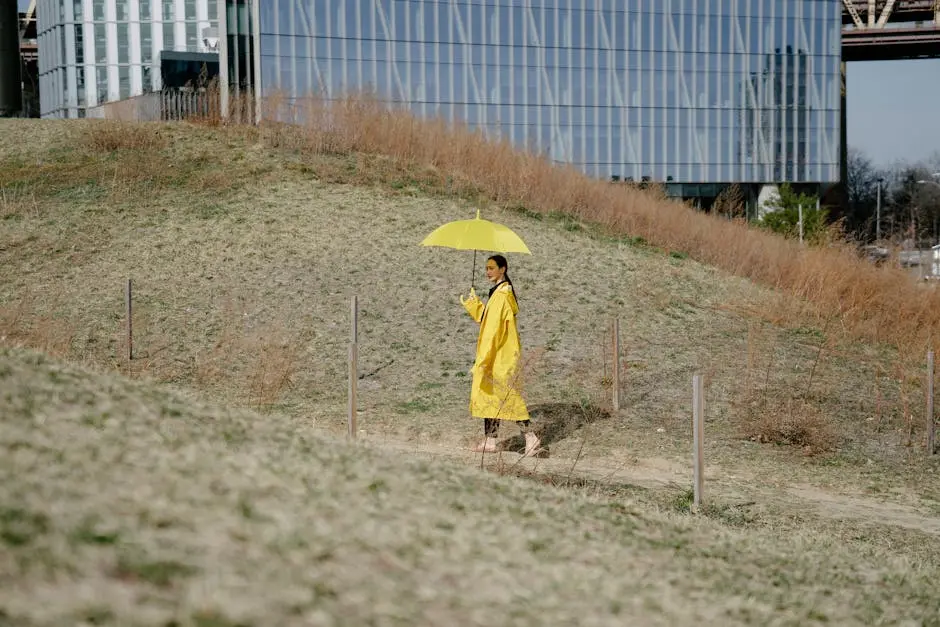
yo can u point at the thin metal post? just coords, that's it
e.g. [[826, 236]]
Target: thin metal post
[[698, 436], [801, 222], [128, 312], [353, 366], [615, 379], [931, 422], [878, 215]]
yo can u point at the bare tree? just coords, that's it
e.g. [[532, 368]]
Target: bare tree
[[731, 202], [913, 206], [926, 197], [862, 189]]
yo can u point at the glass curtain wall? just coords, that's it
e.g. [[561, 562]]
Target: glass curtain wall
[[671, 90], [240, 44], [97, 51]]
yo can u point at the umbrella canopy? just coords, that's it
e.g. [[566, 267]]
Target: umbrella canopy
[[476, 234]]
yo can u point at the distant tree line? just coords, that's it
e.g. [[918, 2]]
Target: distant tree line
[[910, 201]]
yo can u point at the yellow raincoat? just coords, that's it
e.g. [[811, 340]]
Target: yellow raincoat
[[497, 379]]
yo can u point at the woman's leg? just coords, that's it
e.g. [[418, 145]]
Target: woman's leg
[[490, 429]]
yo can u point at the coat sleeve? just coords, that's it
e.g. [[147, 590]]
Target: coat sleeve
[[475, 308], [492, 333]]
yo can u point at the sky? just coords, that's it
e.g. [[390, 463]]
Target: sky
[[893, 108]]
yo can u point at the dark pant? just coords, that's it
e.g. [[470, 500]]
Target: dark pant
[[491, 426]]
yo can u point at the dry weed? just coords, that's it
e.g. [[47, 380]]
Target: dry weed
[[264, 358], [18, 201], [112, 135], [790, 421], [271, 372], [873, 303], [22, 325], [137, 505]]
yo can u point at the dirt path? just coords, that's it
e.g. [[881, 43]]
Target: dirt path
[[842, 507], [653, 472]]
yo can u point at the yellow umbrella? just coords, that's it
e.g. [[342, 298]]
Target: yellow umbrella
[[476, 234]]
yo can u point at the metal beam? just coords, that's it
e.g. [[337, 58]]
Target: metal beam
[[889, 44], [871, 13], [29, 17], [850, 7], [900, 11], [886, 13]]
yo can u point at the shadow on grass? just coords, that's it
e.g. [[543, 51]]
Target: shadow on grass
[[554, 422], [596, 487]]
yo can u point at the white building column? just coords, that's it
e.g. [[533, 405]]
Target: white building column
[[202, 17], [223, 58], [133, 37], [255, 6], [110, 16], [91, 74], [156, 17], [179, 26], [71, 73]]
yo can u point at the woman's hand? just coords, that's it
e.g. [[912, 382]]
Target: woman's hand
[[472, 297]]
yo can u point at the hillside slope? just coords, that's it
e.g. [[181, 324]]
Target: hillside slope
[[212, 491], [128, 504], [244, 256]]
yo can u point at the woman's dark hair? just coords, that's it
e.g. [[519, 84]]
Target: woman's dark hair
[[502, 263]]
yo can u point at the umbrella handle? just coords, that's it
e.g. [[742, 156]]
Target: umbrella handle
[[473, 274]]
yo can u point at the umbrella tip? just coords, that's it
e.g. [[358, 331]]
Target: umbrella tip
[[478, 214]]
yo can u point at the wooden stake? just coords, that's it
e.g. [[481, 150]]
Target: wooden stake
[[616, 374], [130, 330], [353, 366], [931, 423], [698, 436]]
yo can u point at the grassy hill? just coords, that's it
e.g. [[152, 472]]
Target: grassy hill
[[123, 503], [245, 248]]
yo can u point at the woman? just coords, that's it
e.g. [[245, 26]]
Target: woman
[[495, 394]]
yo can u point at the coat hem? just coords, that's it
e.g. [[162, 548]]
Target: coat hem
[[498, 417]]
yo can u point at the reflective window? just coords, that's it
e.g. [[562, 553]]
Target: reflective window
[[122, 43], [721, 91]]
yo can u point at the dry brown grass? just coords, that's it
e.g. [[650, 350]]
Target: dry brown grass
[[257, 362], [246, 292], [269, 237], [126, 503], [790, 421], [111, 161], [23, 326], [18, 201], [114, 135], [879, 304]]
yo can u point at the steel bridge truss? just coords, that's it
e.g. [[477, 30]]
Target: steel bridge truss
[[886, 30]]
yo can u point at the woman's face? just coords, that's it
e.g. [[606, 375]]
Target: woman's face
[[494, 273]]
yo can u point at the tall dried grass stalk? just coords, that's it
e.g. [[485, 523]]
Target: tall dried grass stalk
[[112, 135], [873, 303], [794, 422], [18, 201], [23, 325]]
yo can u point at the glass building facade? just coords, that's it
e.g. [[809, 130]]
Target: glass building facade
[[97, 51], [679, 91]]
